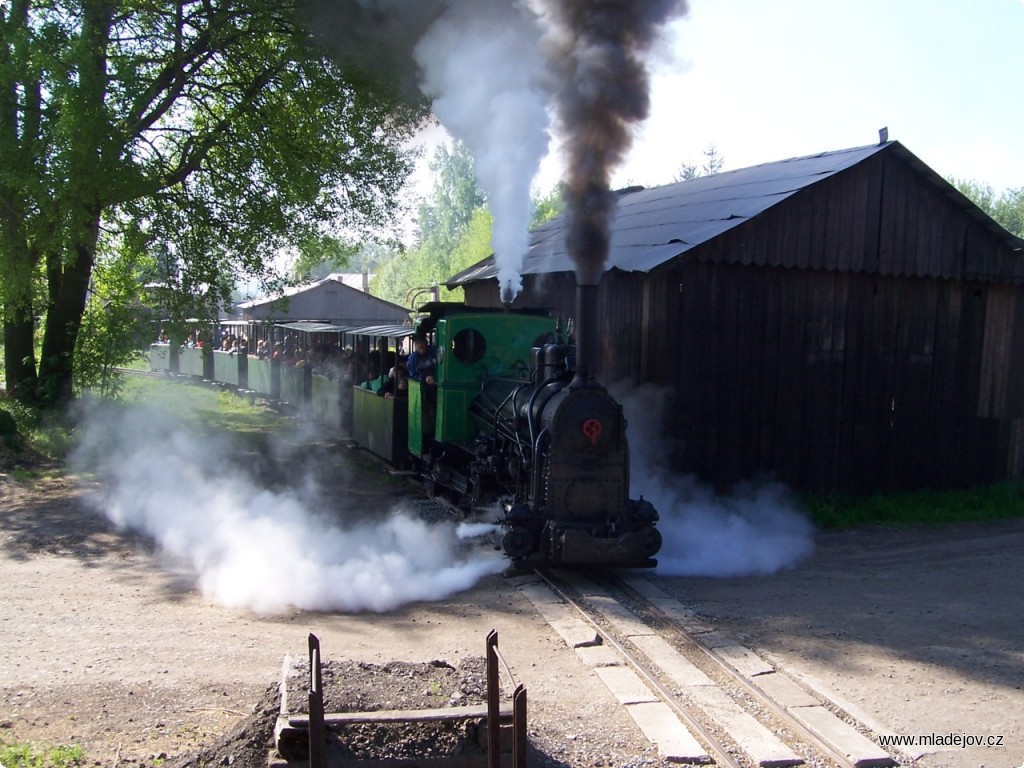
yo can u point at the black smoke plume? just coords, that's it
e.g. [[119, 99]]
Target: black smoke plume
[[602, 89]]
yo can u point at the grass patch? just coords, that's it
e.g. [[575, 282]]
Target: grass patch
[[206, 406], [1000, 501], [33, 756], [43, 437]]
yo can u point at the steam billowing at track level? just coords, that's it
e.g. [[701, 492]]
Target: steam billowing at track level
[[758, 529], [495, 71], [267, 550]]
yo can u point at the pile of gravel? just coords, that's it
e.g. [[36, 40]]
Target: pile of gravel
[[350, 686]]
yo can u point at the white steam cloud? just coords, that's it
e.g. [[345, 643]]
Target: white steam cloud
[[482, 69], [757, 529], [266, 550]]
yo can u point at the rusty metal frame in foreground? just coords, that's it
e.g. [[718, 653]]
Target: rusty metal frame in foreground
[[290, 729]]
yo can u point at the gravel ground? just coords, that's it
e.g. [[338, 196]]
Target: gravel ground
[[107, 643]]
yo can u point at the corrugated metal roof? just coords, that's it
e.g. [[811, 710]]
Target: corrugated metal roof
[[653, 226], [387, 331], [311, 327], [390, 331]]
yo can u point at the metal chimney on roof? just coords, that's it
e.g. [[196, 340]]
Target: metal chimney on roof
[[883, 135]]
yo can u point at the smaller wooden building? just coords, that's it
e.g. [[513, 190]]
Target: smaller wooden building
[[330, 300], [846, 321]]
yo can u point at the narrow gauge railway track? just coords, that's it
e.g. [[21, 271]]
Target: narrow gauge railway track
[[741, 710]]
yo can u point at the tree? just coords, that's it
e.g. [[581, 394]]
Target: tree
[[209, 130], [456, 195], [1007, 209], [456, 229], [318, 257], [444, 217], [687, 172], [713, 163], [1010, 211], [115, 325], [547, 207]]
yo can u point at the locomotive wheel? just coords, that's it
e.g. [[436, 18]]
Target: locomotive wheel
[[517, 543], [652, 542]]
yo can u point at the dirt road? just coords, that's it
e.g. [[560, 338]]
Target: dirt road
[[103, 645], [919, 632]]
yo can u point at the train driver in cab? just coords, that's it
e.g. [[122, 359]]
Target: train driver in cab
[[422, 360]]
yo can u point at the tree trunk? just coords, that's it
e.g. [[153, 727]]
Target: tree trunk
[[17, 310], [20, 355], [15, 253], [64, 320]]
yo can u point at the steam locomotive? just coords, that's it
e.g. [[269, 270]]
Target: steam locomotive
[[513, 418]]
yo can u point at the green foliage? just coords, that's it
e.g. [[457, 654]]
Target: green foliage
[[547, 207], [1007, 208], [116, 325], [475, 243], [995, 502], [455, 197], [1010, 211], [318, 256], [208, 134], [444, 220], [455, 231], [33, 756], [41, 433]]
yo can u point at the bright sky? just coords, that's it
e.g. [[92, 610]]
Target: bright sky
[[766, 80]]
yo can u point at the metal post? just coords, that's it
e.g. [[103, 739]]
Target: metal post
[[275, 378], [493, 707], [519, 727], [317, 730], [243, 366]]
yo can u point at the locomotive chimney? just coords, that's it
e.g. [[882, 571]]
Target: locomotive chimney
[[586, 333]]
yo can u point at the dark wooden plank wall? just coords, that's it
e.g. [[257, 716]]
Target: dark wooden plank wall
[[835, 382]]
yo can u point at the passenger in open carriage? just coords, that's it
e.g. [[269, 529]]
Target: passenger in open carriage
[[397, 383], [374, 378], [422, 360]]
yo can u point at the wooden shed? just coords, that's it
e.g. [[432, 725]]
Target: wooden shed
[[330, 300], [846, 321]]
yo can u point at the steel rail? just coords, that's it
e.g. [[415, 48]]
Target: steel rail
[[802, 731], [720, 754]]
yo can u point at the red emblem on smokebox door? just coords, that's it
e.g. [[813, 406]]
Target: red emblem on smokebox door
[[592, 430]]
